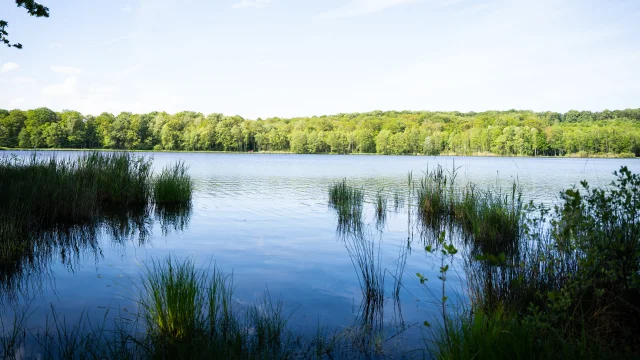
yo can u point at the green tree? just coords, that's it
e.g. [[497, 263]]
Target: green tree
[[73, 124], [12, 123]]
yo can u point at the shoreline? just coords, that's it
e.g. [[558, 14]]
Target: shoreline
[[569, 156]]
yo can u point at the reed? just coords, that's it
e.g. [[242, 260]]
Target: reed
[[172, 299], [54, 204], [173, 184], [348, 202], [381, 209], [366, 260], [190, 312], [41, 192], [493, 220], [435, 197], [490, 219]]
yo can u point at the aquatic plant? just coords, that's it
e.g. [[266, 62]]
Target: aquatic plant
[[348, 202], [173, 184], [183, 313], [492, 220], [435, 197], [173, 216], [190, 312], [381, 209], [366, 260], [172, 299], [40, 192]]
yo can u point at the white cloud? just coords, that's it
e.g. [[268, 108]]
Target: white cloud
[[362, 7], [244, 4], [15, 103], [65, 69], [55, 45], [6, 67], [68, 87], [126, 8], [24, 80]]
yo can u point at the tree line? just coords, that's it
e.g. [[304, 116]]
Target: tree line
[[408, 132]]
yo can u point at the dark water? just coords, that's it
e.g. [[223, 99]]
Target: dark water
[[265, 218]]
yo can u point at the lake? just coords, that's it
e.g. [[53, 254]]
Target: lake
[[265, 218]]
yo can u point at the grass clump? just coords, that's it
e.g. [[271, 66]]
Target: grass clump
[[173, 184], [435, 197], [493, 221], [172, 299], [348, 202], [381, 209], [190, 313], [40, 192]]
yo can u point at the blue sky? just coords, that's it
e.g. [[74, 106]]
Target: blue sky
[[262, 58]]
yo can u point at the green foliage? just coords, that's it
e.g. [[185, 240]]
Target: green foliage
[[506, 133], [600, 229], [572, 285], [498, 335]]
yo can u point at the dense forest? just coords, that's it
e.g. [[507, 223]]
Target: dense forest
[[606, 133]]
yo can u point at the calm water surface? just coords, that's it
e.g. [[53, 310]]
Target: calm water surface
[[265, 218]]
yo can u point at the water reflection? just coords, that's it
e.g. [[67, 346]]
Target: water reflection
[[25, 258], [366, 258], [173, 217]]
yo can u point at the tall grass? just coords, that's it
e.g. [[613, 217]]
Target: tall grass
[[173, 300], [348, 202], [40, 192], [381, 209], [173, 185], [498, 335], [366, 260], [435, 197], [492, 220]]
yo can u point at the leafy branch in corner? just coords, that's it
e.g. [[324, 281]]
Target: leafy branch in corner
[[33, 8]]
